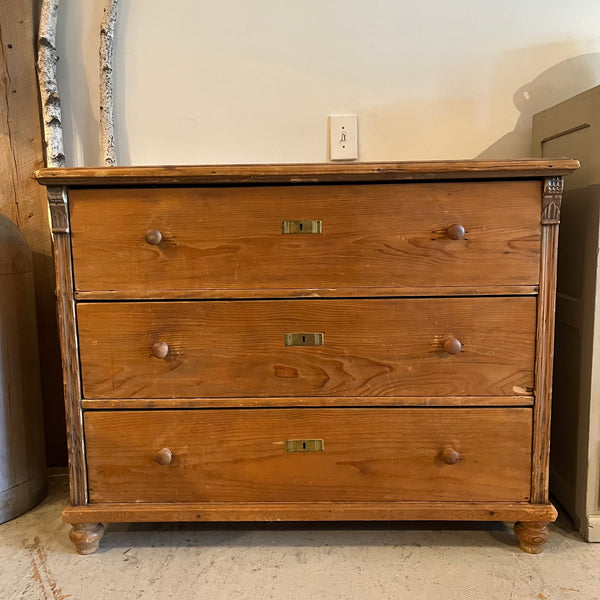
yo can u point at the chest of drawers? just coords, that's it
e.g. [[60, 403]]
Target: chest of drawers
[[308, 342]]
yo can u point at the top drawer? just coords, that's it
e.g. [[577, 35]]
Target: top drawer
[[375, 239]]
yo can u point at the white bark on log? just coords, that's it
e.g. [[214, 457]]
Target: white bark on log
[[107, 126], [46, 67]]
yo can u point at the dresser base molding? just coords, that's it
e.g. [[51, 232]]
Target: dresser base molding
[[309, 511], [531, 528]]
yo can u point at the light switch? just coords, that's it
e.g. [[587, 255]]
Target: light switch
[[343, 137]]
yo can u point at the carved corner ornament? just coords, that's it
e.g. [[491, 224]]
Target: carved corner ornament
[[59, 209], [552, 196]]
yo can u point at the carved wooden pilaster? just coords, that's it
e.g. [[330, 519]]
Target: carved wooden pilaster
[[552, 196], [59, 212], [550, 218], [67, 327]]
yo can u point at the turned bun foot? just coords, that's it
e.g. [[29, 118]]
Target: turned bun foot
[[532, 536], [86, 537]]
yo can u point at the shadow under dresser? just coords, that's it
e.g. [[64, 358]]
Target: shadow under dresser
[[369, 341]]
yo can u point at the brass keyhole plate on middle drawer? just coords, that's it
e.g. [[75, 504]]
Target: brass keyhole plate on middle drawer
[[305, 339]]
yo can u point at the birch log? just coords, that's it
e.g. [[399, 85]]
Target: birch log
[[46, 67], [107, 35]]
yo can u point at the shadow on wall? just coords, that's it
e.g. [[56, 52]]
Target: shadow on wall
[[559, 83]]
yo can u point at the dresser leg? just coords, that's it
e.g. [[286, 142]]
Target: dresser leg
[[86, 537], [532, 536]]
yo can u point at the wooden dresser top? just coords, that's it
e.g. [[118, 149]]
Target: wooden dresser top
[[306, 173]]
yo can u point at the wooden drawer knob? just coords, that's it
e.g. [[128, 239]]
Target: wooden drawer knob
[[455, 232], [160, 349], [450, 456], [153, 237], [452, 345], [164, 456]]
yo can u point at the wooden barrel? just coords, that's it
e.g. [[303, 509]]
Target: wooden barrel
[[23, 478]]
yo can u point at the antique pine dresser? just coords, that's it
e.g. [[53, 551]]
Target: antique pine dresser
[[308, 342]]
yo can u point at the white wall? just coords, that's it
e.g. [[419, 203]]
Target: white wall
[[236, 81]]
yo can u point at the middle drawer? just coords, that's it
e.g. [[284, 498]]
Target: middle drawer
[[479, 346]]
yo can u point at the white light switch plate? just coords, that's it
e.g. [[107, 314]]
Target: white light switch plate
[[343, 137]]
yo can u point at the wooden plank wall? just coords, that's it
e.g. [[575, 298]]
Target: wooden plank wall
[[24, 201]]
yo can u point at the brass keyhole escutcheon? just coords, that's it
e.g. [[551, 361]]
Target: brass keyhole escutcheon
[[302, 226], [305, 339], [304, 446]]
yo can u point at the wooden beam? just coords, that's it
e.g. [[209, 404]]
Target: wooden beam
[[24, 202]]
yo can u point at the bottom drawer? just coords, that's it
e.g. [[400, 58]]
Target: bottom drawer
[[261, 455]]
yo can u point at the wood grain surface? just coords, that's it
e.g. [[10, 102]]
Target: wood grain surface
[[309, 511], [369, 455], [306, 173], [373, 347], [374, 236]]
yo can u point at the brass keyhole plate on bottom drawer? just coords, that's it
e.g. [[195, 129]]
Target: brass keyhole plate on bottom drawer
[[304, 446]]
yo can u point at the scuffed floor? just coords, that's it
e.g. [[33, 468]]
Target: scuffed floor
[[415, 561]]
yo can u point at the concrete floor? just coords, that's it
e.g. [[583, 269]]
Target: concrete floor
[[290, 562]]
